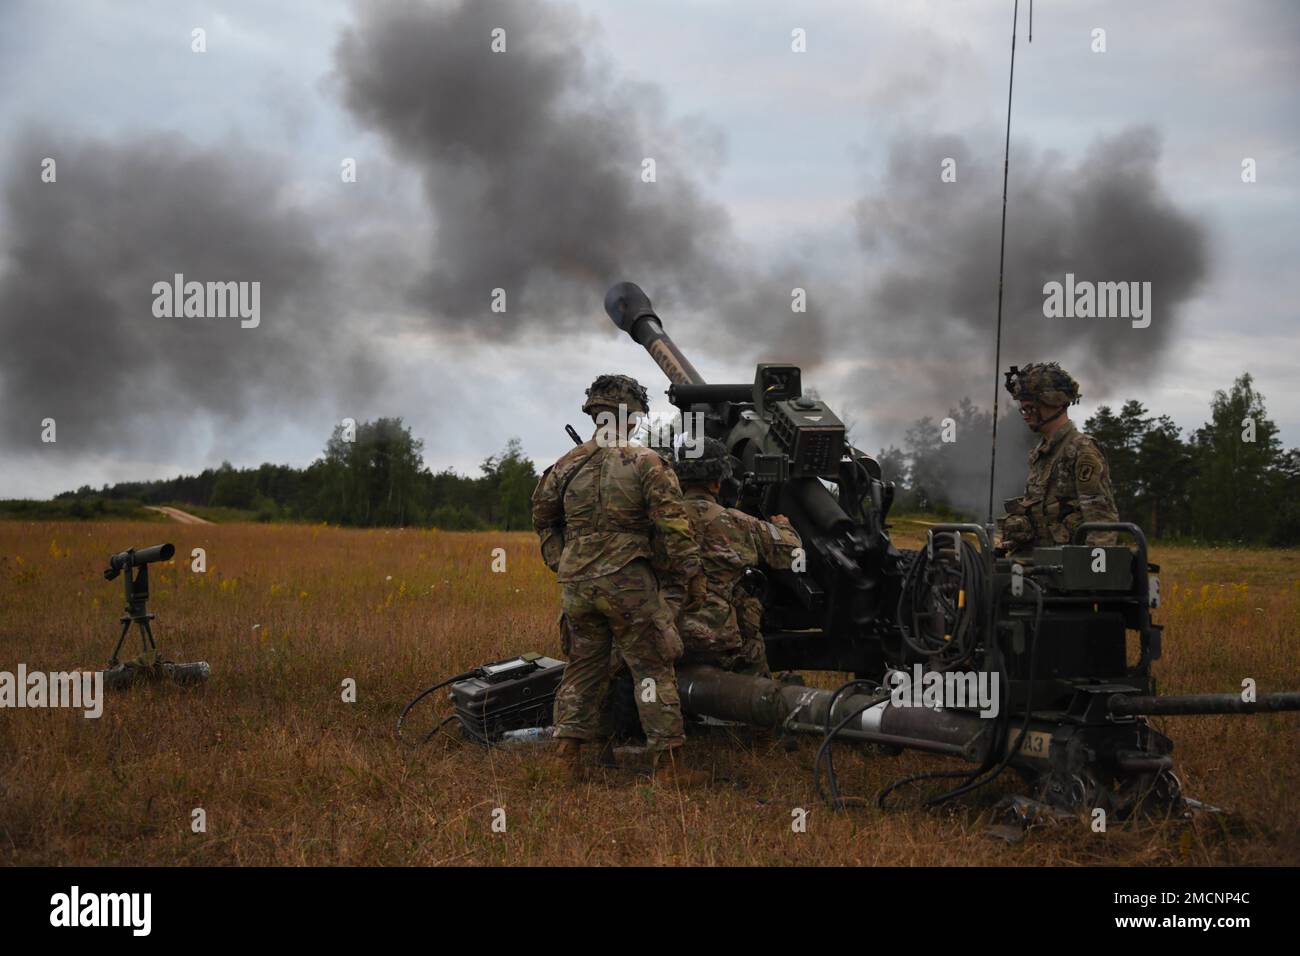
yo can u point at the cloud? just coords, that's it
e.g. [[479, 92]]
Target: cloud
[[81, 259], [531, 162], [929, 304], [932, 299]]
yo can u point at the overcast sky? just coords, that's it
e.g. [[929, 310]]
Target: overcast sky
[[521, 170]]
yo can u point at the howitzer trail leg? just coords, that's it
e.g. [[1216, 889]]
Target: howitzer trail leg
[[766, 703]]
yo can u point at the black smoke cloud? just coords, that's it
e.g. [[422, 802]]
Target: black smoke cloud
[[931, 290], [82, 344], [531, 161], [1104, 218], [530, 164]]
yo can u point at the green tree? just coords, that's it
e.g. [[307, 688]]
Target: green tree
[[926, 471], [1286, 522], [374, 479], [1120, 437], [1165, 467], [518, 478], [233, 488], [1237, 457]]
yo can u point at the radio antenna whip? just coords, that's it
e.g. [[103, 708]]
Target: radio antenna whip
[[1002, 249]]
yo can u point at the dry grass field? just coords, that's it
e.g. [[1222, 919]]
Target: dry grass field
[[289, 774]]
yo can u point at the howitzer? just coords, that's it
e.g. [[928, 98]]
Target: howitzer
[[1038, 662], [834, 615], [1051, 633]]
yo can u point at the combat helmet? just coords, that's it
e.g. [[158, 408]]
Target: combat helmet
[[1044, 382], [611, 391], [713, 463]]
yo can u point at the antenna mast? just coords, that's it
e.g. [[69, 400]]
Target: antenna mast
[[1002, 249]]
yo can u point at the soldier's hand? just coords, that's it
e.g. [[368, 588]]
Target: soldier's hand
[[1017, 531], [780, 519], [671, 642]]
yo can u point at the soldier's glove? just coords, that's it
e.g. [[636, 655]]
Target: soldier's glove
[[696, 593], [670, 643], [1017, 532], [694, 631], [553, 547]]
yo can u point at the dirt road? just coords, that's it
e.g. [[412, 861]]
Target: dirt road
[[184, 517]]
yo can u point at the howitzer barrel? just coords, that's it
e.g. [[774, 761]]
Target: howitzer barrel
[[684, 396], [630, 310], [1203, 704]]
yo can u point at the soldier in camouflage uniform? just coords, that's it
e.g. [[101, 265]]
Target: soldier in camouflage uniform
[[596, 511], [724, 629], [1069, 480]]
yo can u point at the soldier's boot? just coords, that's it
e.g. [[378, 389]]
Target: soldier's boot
[[605, 756], [565, 761], [670, 771]]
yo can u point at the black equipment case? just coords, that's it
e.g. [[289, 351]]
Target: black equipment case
[[508, 695]]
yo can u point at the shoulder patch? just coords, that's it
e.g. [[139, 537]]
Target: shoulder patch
[[1088, 469]]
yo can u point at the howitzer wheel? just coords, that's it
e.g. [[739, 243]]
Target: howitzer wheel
[[1164, 795], [1168, 787], [1080, 793], [1075, 793]]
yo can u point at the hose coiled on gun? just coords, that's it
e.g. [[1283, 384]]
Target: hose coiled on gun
[[924, 587], [992, 767], [958, 642]]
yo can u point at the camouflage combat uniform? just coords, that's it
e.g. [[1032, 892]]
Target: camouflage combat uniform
[[1069, 480], [725, 628], [1069, 483], [598, 540]]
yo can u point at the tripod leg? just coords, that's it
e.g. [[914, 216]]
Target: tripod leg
[[126, 626], [146, 637]]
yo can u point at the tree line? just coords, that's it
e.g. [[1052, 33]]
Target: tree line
[[375, 477], [1228, 481]]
